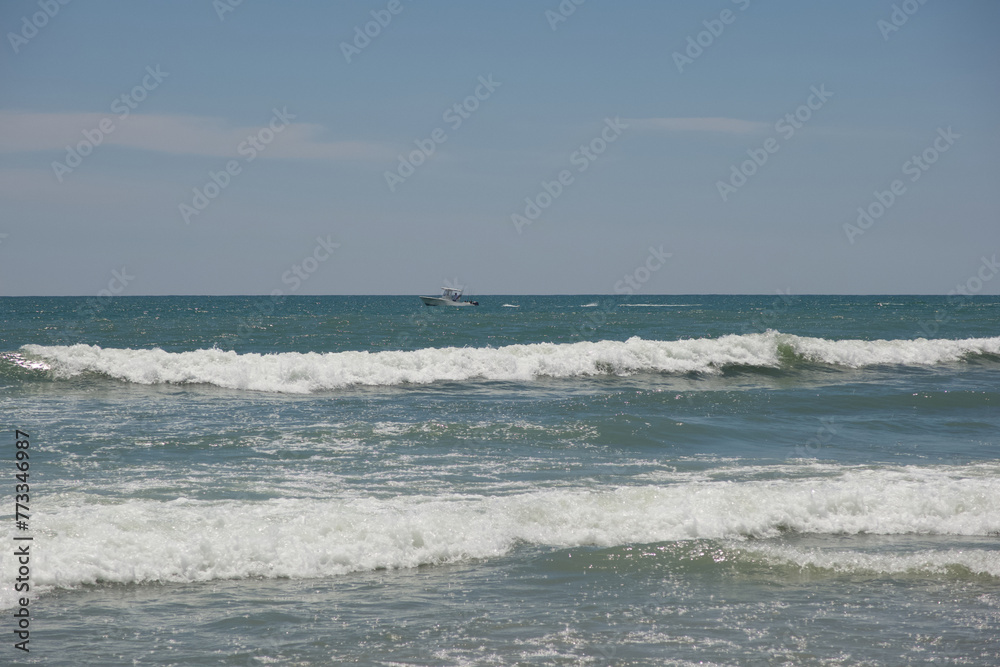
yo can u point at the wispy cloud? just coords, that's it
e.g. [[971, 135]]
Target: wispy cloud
[[174, 134], [723, 125]]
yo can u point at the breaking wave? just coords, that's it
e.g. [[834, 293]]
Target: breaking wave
[[295, 372], [90, 540]]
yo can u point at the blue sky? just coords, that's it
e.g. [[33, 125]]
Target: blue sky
[[259, 153]]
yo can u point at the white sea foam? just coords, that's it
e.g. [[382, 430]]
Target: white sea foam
[[303, 373], [89, 540]]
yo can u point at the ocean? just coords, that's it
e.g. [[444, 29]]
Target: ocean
[[539, 480]]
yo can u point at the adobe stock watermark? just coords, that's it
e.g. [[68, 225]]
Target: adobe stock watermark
[[363, 35], [123, 105], [454, 116], [824, 434], [294, 277], [786, 127], [93, 306], [900, 14], [915, 167], [714, 28], [565, 9], [223, 7], [959, 296], [769, 316], [581, 158], [249, 149], [631, 283], [31, 25]]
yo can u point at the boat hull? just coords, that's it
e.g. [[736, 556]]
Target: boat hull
[[438, 301]]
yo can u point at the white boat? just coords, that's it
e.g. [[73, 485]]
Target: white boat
[[450, 296]]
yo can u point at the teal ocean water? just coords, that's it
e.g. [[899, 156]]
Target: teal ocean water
[[539, 480]]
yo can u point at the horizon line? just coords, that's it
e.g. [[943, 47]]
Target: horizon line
[[484, 294]]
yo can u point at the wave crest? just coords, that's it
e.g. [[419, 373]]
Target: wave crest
[[134, 541], [296, 372]]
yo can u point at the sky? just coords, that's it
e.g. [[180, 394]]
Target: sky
[[522, 147]]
